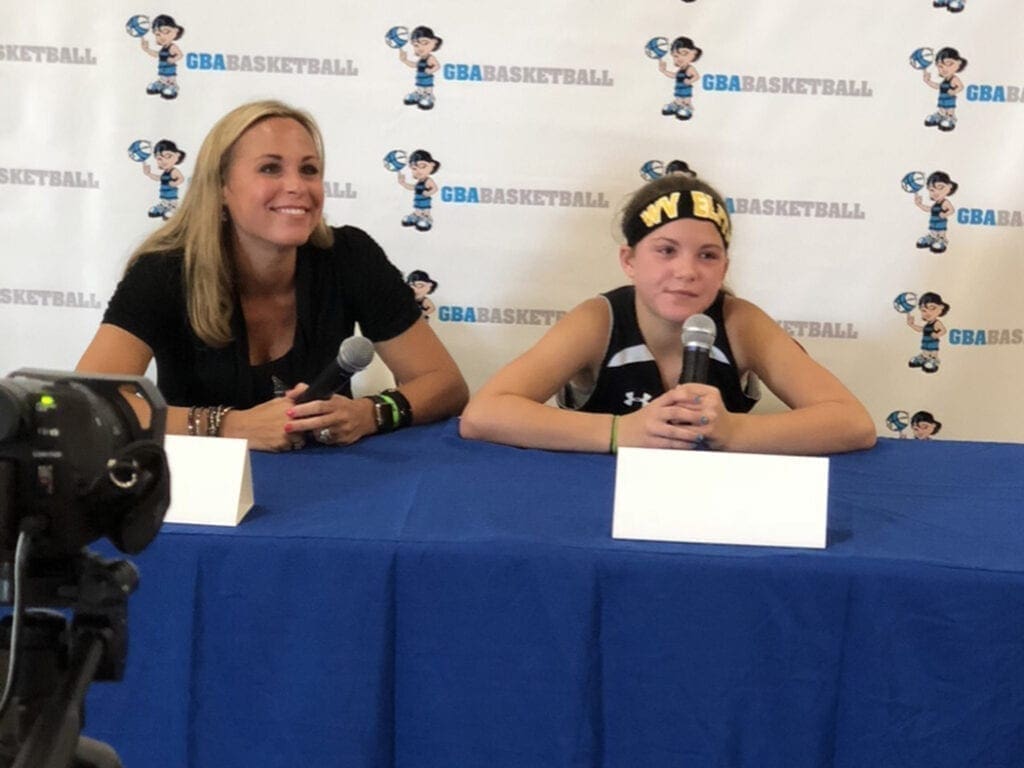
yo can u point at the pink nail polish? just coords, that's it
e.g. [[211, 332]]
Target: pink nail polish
[[287, 427], [290, 413]]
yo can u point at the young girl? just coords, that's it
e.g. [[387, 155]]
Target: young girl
[[616, 359]]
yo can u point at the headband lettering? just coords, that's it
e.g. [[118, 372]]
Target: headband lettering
[[674, 205]]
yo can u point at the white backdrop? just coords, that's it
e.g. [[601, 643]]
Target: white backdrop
[[801, 108]]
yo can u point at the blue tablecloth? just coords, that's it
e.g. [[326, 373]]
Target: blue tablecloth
[[418, 600]]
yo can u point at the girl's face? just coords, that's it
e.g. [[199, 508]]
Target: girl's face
[[948, 67], [677, 269], [165, 35], [421, 169], [167, 159], [683, 57], [931, 311], [423, 46], [274, 187], [939, 190]]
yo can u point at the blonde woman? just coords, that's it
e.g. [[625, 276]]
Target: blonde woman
[[245, 294]]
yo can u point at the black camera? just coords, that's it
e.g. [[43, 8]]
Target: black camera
[[81, 457]]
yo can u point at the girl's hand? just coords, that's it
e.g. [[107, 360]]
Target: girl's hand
[[684, 417]]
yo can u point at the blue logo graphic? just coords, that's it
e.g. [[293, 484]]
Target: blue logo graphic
[[683, 53], [424, 43], [168, 157], [422, 166], [165, 32]]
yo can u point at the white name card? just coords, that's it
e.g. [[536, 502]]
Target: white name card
[[211, 480], [721, 498]]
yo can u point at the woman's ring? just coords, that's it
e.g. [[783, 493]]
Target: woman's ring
[[703, 419], [324, 435], [700, 439]]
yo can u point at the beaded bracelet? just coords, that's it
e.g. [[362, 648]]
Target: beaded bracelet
[[214, 417], [192, 421]]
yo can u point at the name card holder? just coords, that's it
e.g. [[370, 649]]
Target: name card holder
[[211, 480], [721, 498]]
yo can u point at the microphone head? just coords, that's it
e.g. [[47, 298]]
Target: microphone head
[[699, 331], [355, 353]]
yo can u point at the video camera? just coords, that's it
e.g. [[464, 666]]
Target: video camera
[[81, 457]]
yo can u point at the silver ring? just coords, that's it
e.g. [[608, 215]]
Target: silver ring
[[700, 439], [703, 419], [324, 435]]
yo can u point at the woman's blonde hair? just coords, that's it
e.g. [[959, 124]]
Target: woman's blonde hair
[[200, 230]]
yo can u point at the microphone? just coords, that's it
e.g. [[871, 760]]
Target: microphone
[[698, 338], [354, 354]]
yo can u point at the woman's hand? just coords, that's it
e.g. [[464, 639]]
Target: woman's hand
[[684, 417], [264, 426], [337, 421]]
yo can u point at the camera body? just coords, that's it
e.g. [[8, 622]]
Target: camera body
[[81, 457]]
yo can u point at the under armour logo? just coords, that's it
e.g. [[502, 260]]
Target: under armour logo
[[632, 399]]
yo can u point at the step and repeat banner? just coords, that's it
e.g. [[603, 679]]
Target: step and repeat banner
[[871, 156]]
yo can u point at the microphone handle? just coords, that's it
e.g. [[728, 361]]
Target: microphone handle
[[695, 365], [331, 379]]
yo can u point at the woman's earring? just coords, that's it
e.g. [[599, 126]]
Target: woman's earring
[[223, 214]]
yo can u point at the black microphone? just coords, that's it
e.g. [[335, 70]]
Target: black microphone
[[698, 338], [354, 354]]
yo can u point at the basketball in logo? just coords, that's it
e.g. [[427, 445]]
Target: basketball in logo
[[397, 37], [922, 58], [140, 150], [656, 47], [897, 421], [395, 160], [137, 25], [905, 302], [652, 169], [913, 182]]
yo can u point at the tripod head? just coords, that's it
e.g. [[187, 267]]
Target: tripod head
[[61, 657]]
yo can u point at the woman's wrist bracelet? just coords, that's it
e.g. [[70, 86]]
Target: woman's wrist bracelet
[[403, 409]]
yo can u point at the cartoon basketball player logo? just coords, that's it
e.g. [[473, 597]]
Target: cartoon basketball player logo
[[953, 6], [424, 43], [924, 425], [165, 32], [422, 166], [932, 307], [167, 157], [421, 285], [948, 63], [940, 187], [683, 53], [655, 169]]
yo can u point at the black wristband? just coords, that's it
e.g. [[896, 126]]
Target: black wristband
[[384, 413], [404, 409]]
